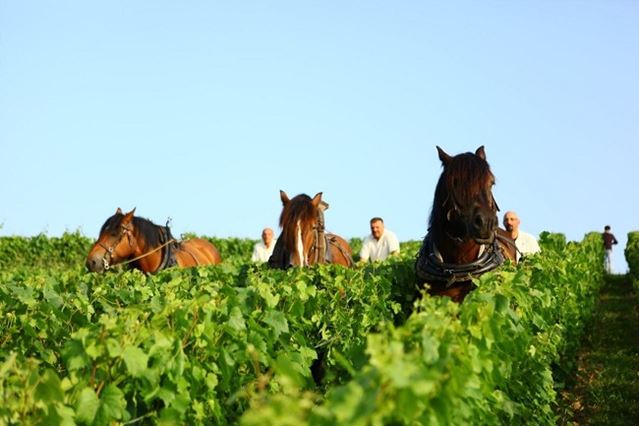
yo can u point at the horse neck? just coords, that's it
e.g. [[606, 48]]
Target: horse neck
[[453, 251], [150, 262], [458, 253]]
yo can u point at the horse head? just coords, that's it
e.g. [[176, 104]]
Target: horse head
[[115, 243], [464, 209], [299, 220]]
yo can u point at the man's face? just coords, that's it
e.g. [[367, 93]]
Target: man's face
[[377, 229], [511, 222], [267, 236]]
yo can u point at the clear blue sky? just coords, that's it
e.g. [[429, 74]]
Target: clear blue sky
[[203, 110]]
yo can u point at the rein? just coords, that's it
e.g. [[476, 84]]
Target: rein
[[126, 262], [167, 259], [430, 267]]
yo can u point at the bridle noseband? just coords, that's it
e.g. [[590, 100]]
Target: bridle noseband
[[108, 251]]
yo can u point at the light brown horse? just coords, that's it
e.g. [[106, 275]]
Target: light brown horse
[[303, 241], [125, 238], [463, 239]]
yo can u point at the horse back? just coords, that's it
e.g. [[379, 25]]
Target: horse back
[[340, 251], [197, 251]]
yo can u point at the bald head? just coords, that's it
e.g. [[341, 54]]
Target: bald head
[[511, 223], [267, 236]]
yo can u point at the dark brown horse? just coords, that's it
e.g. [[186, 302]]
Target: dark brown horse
[[303, 241], [463, 239], [125, 238]]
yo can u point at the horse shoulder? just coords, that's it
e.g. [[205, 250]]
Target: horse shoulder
[[340, 248]]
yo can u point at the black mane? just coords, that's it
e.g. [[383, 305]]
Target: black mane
[[143, 227]]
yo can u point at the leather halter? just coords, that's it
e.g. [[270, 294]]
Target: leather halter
[[167, 242], [108, 251], [430, 267]]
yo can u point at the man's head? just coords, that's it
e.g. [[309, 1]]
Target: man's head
[[267, 236], [511, 222], [607, 228], [377, 227]]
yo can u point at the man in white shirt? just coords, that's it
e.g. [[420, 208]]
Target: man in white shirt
[[263, 250], [525, 242], [380, 244]]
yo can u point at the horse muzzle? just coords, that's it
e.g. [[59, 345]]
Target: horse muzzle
[[96, 264], [482, 227]]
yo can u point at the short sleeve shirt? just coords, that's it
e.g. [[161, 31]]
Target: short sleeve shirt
[[261, 253], [379, 249], [526, 244]]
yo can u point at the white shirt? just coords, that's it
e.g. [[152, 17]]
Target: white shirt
[[261, 253], [379, 249], [526, 244]]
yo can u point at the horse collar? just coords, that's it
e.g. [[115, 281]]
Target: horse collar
[[168, 257], [431, 267]]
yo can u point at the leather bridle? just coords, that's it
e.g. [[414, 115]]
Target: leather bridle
[[108, 251], [166, 261]]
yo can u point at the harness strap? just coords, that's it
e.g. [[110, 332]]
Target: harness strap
[[332, 240], [430, 267], [168, 257], [509, 241], [160, 247], [318, 248]]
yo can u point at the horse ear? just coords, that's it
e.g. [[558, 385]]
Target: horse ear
[[128, 217], [317, 199], [118, 211], [445, 158], [284, 197], [480, 153]]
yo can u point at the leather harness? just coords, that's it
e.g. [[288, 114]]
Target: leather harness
[[320, 249], [319, 252], [430, 266], [168, 256]]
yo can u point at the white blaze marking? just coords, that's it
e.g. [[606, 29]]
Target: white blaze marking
[[300, 245]]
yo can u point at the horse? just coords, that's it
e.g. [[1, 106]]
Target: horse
[[463, 239], [303, 241], [128, 239]]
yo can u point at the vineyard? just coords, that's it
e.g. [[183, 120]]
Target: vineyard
[[632, 257], [238, 343]]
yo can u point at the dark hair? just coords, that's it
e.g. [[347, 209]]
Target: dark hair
[[607, 228], [376, 219]]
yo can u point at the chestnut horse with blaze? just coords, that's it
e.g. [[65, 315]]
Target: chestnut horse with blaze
[[463, 240], [125, 238], [303, 241]]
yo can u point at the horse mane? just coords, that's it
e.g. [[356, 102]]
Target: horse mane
[[466, 175], [144, 227], [299, 208]]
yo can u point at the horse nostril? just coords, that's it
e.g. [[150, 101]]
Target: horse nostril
[[479, 221], [93, 265]]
